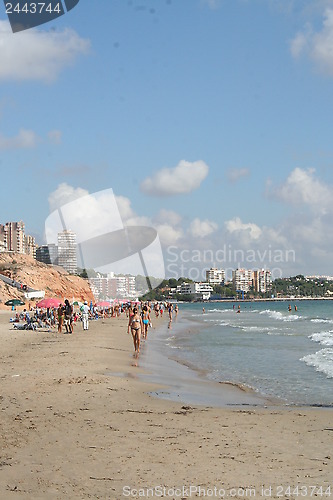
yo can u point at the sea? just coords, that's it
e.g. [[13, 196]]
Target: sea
[[266, 348]]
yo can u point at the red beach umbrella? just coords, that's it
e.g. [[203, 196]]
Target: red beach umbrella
[[103, 303], [46, 303]]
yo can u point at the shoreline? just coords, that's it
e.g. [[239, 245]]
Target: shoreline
[[183, 382], [268, 299], [70, 431]]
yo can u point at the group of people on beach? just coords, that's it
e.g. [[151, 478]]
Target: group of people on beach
[[64, 317], [139, 322]]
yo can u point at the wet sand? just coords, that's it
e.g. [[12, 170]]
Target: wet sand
[[69, 430]]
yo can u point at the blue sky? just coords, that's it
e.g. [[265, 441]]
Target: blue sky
[[210, 120]]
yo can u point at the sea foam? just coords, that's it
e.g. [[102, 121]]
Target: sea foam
[[322, 361], [279, 316], [324, 338]]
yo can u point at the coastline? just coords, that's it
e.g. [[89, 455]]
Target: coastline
[[71, 431], [184, 382]]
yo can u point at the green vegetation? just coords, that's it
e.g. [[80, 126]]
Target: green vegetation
[[299, 286], [167, 291], [226, 291], [296, 286], [84, 274]]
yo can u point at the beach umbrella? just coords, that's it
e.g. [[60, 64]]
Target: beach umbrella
[[103, 303], [47, 303], [14, 302]]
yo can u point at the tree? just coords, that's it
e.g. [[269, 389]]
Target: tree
[[84, 274]]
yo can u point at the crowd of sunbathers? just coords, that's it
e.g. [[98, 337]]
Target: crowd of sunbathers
[[31, 320], [65, 317]]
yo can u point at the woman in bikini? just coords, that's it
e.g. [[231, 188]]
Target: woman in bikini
[[145, 320], [136, 326]]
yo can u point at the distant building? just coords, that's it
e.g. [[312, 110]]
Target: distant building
[[67, 251], [215, 276], [14, 239], [242, 279], [199, 290], [47, 254], [12, 235], [110, 287], [262, 280], [30, 245]]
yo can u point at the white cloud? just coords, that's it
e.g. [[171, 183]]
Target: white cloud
[[235, 174], [237, 226], [298, 44], [168, 234], [317, 46], [25, 139], [202, 228], [65, 194], [302, 187], [124, 206], [55, 136], [168, 217], [38, 55], [184, 178]]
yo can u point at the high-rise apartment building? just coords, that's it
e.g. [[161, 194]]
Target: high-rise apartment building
[[30, 245], [12, 236], [67, 251], [47, 254], [112, 286], [215, 276], [242, 279], [262, 280]]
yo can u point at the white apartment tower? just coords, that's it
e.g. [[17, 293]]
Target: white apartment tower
[[67, 251], [215, 276], [13, 236], [262, 280], [242, 279]]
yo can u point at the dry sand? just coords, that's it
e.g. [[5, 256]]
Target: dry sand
[[69, 431]]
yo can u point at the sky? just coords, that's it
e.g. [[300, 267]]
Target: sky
[[210, 120]]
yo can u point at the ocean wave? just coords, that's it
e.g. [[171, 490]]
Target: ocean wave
[[277, 315], [262, 329], [320, 320], [322, 361], [218, 310], [324, 338]]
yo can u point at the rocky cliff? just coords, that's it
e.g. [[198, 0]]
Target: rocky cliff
[[53, 279]]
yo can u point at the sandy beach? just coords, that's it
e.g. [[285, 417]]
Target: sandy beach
[[71, 430]]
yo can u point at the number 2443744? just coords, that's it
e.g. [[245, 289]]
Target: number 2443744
[[32, 8]]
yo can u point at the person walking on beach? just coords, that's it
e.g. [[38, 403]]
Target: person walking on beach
[[135, 325], [60, 318], [68, 320], [85, 316], [170, 310], [145, 320]]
